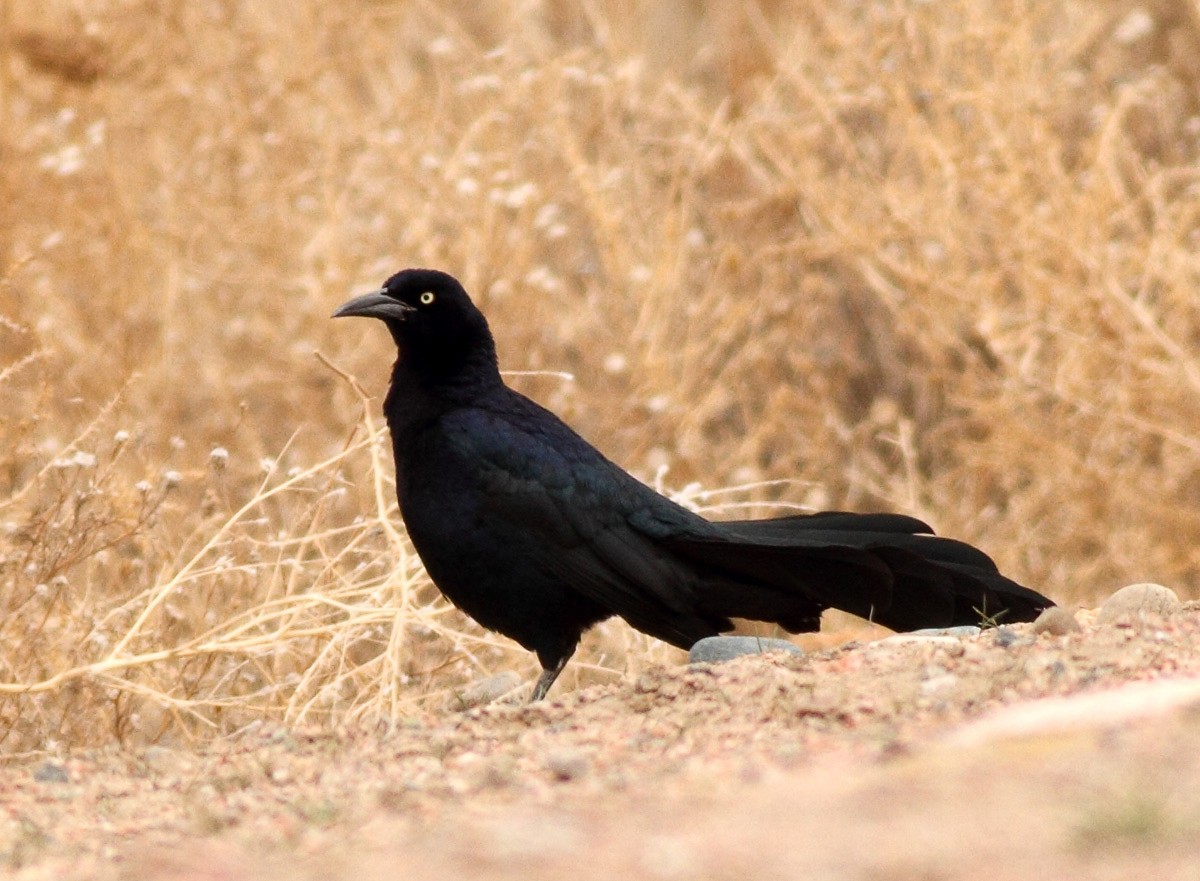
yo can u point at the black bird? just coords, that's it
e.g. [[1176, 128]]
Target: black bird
[[531, 531]]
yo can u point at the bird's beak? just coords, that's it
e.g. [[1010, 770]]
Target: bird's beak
[[376, 304]]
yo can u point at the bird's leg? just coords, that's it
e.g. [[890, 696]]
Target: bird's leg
[[549, 674]]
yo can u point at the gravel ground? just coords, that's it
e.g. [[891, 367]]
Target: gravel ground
[[1009, 754]]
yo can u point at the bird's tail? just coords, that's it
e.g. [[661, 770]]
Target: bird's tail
[[888, 568]]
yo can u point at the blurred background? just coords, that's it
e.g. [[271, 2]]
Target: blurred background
[[933, 257]]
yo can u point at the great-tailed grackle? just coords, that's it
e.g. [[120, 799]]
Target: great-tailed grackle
[[532, 532]]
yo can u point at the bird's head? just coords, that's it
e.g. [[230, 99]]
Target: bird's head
[[437, 328]]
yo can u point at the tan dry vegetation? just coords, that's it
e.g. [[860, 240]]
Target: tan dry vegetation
[[936, 257]]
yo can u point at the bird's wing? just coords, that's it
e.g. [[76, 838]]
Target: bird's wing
[[573, 511]]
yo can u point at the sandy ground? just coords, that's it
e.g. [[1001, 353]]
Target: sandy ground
[[1006, 755]]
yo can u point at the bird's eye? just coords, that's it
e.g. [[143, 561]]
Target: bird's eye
[[427, 298]]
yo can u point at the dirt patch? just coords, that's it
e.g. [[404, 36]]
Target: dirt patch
[[890, 759]]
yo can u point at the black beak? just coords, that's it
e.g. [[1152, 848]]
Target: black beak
[[376, 304]]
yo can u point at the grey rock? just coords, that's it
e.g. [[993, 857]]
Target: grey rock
[[718, 649], [1056, 621], [1136, 602], [51, 772]]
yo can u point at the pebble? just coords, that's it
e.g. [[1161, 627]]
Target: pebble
[[1056, 621], [51, 772], [1006, 637], [718, 649], [1136, 602]]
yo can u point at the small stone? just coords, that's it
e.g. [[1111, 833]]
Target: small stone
[[1136, 602], [1056, 621], [566, 764], [51, 772], [1006, 637], [484, 691], [965, 630], [718, 649]]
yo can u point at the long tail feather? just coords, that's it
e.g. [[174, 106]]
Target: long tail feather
[[889, 568]]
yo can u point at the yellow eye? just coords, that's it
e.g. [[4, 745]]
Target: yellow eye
[[427, 298]]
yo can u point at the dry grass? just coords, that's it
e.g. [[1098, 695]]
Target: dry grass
[[937, 257]]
